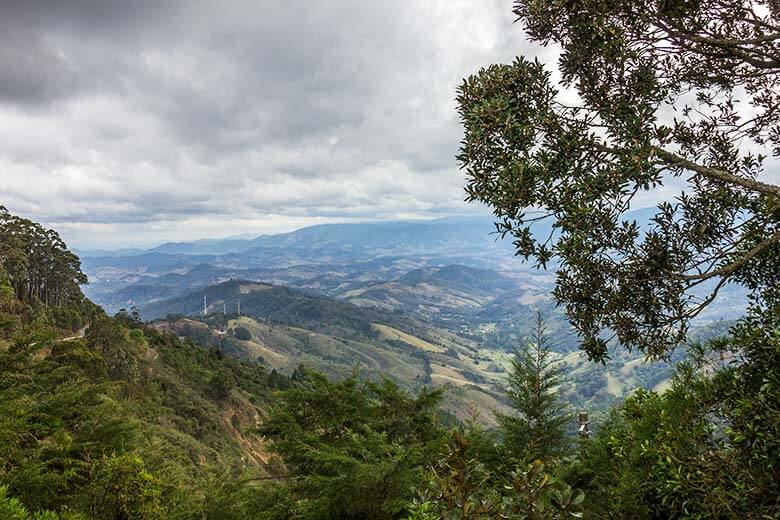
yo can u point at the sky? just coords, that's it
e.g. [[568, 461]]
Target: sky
[[131, 123], [128, 124]]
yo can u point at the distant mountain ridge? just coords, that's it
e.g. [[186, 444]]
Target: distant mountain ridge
[[353, 241], [448, 233], [468, 272]]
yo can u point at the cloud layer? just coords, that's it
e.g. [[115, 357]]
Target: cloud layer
[[214, 118]]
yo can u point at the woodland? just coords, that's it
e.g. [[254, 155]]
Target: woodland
[[109, 417]]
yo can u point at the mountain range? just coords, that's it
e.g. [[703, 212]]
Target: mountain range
[[455, 270], [439, 302]]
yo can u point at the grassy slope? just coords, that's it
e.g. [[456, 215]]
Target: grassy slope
[[291, 327], [283, 347]]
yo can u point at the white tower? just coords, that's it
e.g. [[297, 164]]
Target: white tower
[[205, 309]]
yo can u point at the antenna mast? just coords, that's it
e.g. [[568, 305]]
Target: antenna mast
[[239, 306], [224, 316], [205, 309]]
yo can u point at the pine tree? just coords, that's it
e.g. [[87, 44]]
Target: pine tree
[[537, 429], [353, 448]]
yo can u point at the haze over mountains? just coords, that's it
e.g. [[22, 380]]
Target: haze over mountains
[[324, 258], [439, 302], [452, 269]]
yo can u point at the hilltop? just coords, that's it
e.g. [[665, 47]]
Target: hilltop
[[282, 328]]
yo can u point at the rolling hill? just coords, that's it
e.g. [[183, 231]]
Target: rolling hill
[[281, 328], [370, 294]]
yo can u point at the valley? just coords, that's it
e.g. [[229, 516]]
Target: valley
[[390, 260], [439, 303]]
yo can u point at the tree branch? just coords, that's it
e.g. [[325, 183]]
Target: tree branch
[[728, 269], [716, 173]]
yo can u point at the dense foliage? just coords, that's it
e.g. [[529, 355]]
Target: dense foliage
[[683, 93], [353, 449], [706, 448], [122, 423], [37, 263], [467, 484]]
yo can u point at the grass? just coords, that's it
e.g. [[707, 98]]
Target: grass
[[387, 332], [284, 347], [615, 386]]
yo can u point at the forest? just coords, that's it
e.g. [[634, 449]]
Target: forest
[[108, 417], [129, 422]]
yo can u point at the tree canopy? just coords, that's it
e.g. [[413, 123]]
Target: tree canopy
[[354, 449], [677, 93], [38, 263]]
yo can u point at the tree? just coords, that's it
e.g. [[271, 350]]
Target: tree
[[37, 262], [221, 384], [705, 448], [354, 449], [121, 487], [676, 92], [464, 488], [537, 429], [108, 337], [242, 334]]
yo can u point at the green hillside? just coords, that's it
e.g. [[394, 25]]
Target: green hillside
[[283, 347], [288, 327], [106, 417], [269, 302], [222, 417], [109, 418]]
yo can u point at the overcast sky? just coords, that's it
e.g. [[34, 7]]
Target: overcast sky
[[137, 123], [131, 123]]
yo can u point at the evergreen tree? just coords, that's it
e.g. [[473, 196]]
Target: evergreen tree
[[354, 449], [537, 429], [463, 487]]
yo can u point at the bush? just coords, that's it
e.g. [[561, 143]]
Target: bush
[[111, 339], [123, 488], [242, 334], [221, 384], [12, 509]]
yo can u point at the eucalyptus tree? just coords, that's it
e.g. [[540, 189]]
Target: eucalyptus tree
[[37, 262], [677, 93]]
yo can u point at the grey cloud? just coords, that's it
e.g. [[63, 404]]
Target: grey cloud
[[31, 72], [111, 18], [149, 112]]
